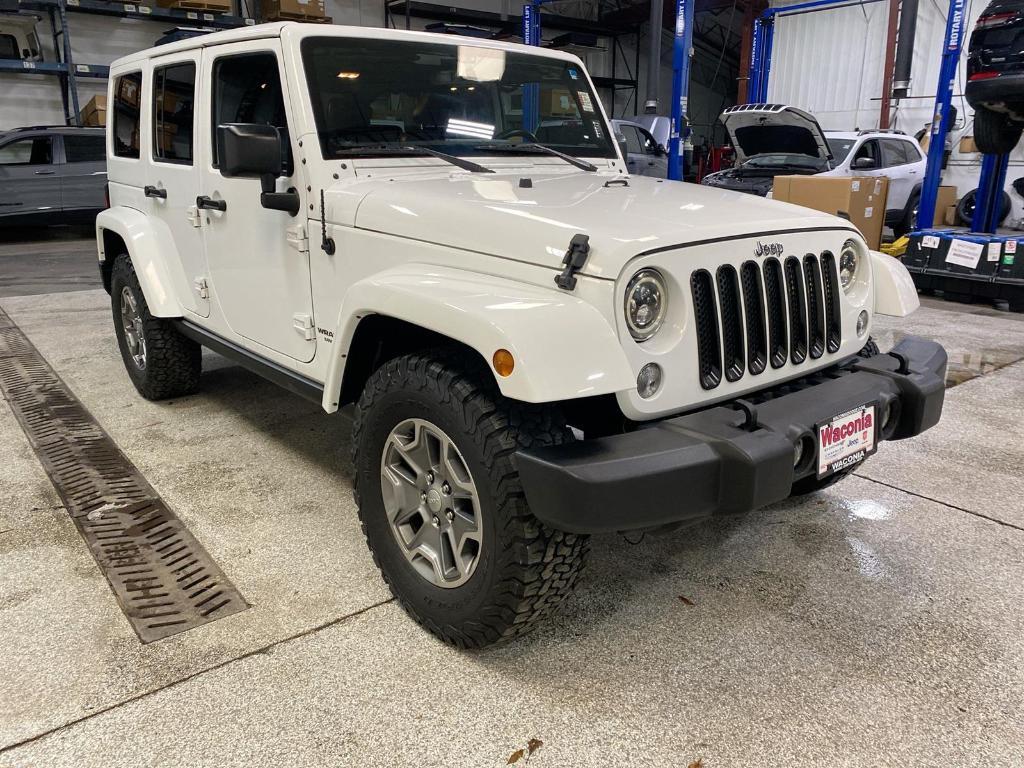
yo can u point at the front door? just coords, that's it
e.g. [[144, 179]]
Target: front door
[[259, 267], [173, 180], [29, 183]]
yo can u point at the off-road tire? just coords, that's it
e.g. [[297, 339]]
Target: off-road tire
[[812, 484], [525, 570], [173, 361], [994, 132]]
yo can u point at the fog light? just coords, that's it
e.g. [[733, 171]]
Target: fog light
[[862, 322], [648, 382], [798, 452]]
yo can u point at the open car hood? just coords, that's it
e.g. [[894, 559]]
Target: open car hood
[[756, 129]]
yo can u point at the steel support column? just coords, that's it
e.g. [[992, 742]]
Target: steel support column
[[952, 45], [681, 45], [989, 200]]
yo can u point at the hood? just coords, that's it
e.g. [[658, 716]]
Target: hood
[[756, 129], [501, 215]]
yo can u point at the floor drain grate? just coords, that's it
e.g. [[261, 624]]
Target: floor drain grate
[[162, 577]]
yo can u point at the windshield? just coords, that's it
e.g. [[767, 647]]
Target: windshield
[[375, 94], [840, 148], [779, 159]]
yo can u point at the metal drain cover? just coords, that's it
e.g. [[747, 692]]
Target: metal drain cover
[[162, 577]]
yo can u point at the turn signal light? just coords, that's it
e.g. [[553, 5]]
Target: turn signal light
[[503, 362]]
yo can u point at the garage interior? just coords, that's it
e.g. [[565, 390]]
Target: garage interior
[[874, 623]]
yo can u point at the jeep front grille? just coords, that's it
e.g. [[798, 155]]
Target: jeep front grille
[[766, 314]]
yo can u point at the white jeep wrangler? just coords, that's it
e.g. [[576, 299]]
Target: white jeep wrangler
[[538, 345]]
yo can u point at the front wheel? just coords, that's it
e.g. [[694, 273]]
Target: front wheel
[[160, 361], [442, 506]]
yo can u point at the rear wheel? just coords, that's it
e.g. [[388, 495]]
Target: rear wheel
[[441, 504], [160, 361], [909, 220], [994, 132]]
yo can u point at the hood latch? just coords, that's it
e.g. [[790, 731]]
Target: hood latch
[[575, 258]]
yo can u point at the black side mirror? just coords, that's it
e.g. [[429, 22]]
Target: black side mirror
[[249, 150], [661, 151], [254, 150], [864, 164]]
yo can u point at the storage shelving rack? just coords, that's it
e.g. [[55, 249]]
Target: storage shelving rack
[[65, 69]]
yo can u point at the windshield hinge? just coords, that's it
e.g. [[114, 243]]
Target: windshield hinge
[[202, 288], [303, 324], [575, 258], [193, 216], [298, 239]]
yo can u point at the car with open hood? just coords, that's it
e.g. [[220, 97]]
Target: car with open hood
[[440, 236], [778, 140]]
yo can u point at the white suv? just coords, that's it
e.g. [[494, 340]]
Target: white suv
[[774, 139], [538, 345]]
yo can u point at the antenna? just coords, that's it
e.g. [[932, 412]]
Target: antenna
[[326, 243]]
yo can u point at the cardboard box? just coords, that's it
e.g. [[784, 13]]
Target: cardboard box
[[276, 10], [861, 199], [209, 6], [949, 216], [128, 91], [94, 113], [945, 198], [967, 145]]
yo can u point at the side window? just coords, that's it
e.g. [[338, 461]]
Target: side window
[[127, 113], [911, 152], [9, 47], [650, 145], [892, 153], [174, 95], [247, 89], [84, 149], [32, 151], [869, 150], [632, 139]]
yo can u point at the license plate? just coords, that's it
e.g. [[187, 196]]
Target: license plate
[[846, 440]]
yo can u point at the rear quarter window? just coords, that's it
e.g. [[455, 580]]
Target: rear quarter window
[[127, 115]]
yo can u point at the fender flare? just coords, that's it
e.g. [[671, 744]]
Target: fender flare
[[895, 292], [150, 253], [563, 347]]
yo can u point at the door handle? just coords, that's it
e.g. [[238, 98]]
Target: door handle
[[204, 202], [155, 192], [44, 173]]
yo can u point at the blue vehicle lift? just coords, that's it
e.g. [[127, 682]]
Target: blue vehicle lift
[[682, 44]]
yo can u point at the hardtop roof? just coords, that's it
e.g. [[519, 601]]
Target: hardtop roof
[[275, 29]]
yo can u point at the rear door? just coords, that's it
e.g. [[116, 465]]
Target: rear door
[[902, 175], [84, 172], [29, 184], [173, 178]]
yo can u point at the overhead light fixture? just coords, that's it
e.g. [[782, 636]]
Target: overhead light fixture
[[469, 128], [348, 75]]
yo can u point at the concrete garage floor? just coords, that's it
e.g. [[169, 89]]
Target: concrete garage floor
[[876, 624]]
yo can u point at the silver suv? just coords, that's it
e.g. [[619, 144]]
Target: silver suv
[[52, 174]]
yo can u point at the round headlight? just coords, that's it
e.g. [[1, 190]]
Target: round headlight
[[646, 302], [849, 261]]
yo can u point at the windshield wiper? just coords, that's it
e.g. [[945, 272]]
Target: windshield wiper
[[535, 147], [383, 149]]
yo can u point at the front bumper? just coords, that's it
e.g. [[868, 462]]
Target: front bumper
[[721, 461]]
